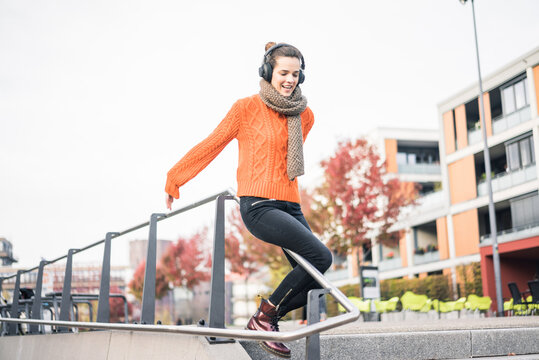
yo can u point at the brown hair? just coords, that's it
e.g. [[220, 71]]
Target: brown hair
[[287, 51]]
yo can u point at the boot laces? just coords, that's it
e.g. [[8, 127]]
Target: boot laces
[[273, 322]]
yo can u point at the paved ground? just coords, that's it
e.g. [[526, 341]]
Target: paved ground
[[519, 357], [455, 339], [360, 327], [437, 325]]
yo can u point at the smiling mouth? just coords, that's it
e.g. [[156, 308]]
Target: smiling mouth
[[287, 87]]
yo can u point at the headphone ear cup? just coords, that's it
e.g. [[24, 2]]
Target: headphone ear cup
[[301, 77], [265, 71]]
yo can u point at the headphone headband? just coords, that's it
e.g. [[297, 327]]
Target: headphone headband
[[276, 46]]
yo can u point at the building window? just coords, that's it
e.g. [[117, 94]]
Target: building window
[[520, 153], [514, 96], [415, 155], [525, 210]]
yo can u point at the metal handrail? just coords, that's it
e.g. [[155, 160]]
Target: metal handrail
[[131, 229], [311, 329], [284, 336]]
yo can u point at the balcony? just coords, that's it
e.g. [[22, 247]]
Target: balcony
[[428, 169], [427, 257], [515, 233], [474, 136], [430, 201], [390, 264], [508, 121], [507, 180]]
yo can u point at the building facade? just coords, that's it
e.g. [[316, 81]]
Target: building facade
[[449, 226], [510, 99]]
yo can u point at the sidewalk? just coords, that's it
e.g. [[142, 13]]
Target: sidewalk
[[483, 338]]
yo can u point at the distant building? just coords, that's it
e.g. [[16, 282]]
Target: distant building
[[139, 248], [85, 278], [6, 253]]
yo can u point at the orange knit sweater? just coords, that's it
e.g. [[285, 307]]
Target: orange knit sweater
[[262, 136]]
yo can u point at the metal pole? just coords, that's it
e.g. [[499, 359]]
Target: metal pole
[[217, 296], [37, 312], [148, 291], [66, 304], [14, 309], [312, 343], [103, 304], [491, 211]]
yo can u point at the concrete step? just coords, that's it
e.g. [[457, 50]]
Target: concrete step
[[116, 345], [449, 339]]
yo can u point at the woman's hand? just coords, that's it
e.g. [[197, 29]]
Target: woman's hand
[[169, 199]]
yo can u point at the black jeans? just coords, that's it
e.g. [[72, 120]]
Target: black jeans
[[282, 223]]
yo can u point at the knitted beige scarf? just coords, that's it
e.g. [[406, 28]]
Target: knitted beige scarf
[[291, 106]]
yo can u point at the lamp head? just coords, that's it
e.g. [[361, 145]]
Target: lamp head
[[463, 2]]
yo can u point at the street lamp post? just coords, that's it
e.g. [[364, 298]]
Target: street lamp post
[[491, 211]]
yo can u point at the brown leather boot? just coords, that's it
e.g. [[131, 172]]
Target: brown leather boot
[[266, 319]]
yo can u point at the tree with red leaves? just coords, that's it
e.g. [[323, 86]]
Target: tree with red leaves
[[186, 263], [362, 200], [117, 306], [136, 285]]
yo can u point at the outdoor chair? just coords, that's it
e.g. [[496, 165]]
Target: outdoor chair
[[448, 306], [427, 306], [534, 290], [383, 306], [414, 302], [520, 305], [478, 303], [363, 305], [508, 306]]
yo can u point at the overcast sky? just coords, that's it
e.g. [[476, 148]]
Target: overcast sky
[[98, 99]]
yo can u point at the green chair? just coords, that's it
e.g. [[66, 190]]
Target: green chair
[[459, 304], [392, 304], [481, 303], [362, 305], [413, 302], [427, 306], [383, 306], [508, 306]]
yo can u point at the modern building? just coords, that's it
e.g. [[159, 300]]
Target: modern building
[[6, 253], [413, 156], [511, 117], [449, 226]]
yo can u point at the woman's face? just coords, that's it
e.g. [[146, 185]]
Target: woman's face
[[285, 74]]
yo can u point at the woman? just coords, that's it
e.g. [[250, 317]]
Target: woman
[[270, 128]]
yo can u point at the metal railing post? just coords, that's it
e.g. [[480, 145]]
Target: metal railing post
[[217, 295], [103, 306], [312, 343], [66, 302], [14, 309], [148, 291], [37, 312]]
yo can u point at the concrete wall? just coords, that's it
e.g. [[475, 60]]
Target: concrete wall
[[113, 345]]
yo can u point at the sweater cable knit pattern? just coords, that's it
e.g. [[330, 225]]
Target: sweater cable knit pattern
[[262, 135]]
